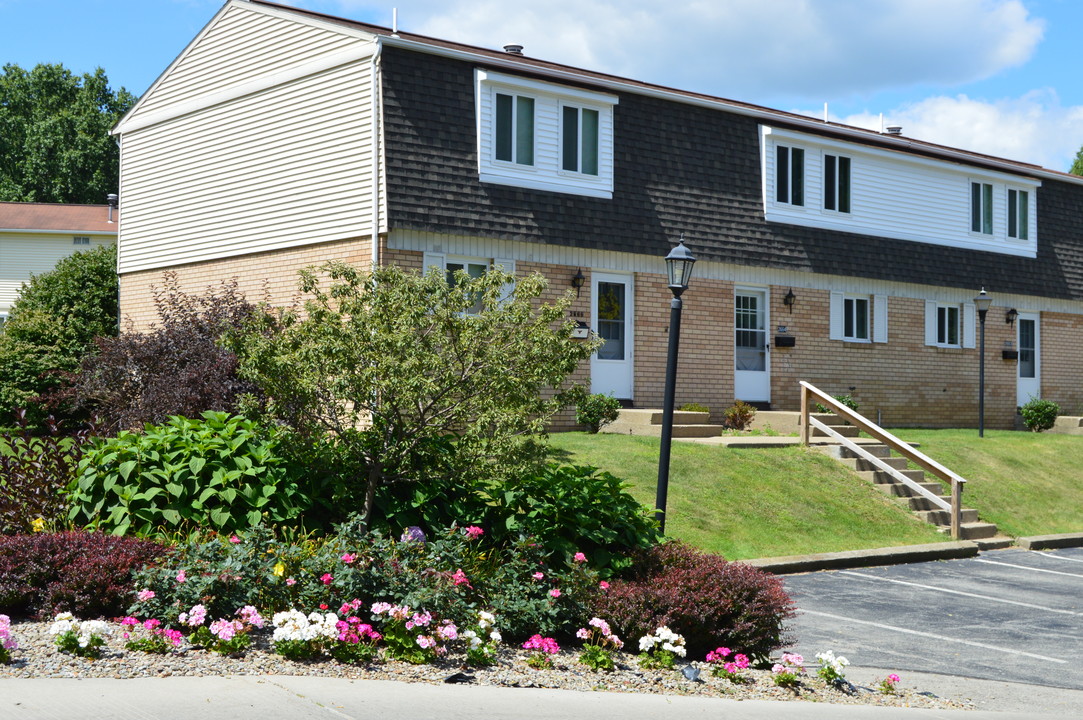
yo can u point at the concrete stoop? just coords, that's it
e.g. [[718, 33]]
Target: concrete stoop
[[1067, 425], [636, 421], [984, 534]]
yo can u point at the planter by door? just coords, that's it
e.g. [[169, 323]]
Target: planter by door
[[751, 352], [1028, 367], [611, 366]]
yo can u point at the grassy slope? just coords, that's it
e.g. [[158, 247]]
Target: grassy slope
[[753, 503], [1026, 483]]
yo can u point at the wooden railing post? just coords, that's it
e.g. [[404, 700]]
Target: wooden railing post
[[956, 509], [804, 415]]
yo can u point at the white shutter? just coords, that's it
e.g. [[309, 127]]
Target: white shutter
[[429, 259], [879, 318], [930, 322], [969, 325], [508, 266], [836, 321]]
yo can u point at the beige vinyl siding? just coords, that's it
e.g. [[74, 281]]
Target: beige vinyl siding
[[288, 166], [896, 195], [241, 45], [23, 255]]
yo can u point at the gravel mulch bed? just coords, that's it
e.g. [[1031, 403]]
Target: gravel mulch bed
[[37, 657]]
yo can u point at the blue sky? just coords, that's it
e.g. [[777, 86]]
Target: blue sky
[[995, 76]]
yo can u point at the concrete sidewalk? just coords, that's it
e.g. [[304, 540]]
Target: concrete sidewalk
[[312, 698]]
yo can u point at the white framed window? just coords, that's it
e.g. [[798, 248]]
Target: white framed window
[[836, 183], [472, 266], [3, 318], [789, 175], [1018, 214], [858, 318], [80, 240], [981, 208], [950, 325], [543, 136], [579, 139]]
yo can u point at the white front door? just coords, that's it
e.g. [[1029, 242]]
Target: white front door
[[751, 353], [611, 371], [1029, 383]]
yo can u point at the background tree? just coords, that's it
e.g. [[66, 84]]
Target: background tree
[[54, 135], [53, 323], [402, 377], [1077, 165]]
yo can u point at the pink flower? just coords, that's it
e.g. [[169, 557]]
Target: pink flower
[[291, 581], [474, 532], [554, 593], [580, 557], [893, 678], [542, 644], [741, 661], [151, 624], [144, 595], [425, 642], [459, 578], [730, 667], [129, 621], [181, 577], [582, 633], [327, 578], [224, 629], [603, 585], [234, 539], [348, 558], [538, 575]]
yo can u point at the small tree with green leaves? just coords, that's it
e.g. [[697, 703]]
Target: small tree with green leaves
[[403, 376], [1077, 164]]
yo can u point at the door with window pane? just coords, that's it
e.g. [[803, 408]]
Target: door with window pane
[[1029, 383], [751, 356], [611, 366]]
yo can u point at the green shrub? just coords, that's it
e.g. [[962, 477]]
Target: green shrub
[[694, 407], [596, 411], [1039, 415], [221, 472], [847, 400], [710, 601], [739, 416]]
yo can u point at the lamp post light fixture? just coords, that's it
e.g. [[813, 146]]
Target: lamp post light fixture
[[982, 303], [679, 264]]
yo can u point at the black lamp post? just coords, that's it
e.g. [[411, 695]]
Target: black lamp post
[[679, 264], [982, 302]]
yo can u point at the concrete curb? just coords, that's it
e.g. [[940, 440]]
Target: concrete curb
[[866, 558], [1050, 542]]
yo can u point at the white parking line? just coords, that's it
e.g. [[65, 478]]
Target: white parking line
[[958, 592], [1045, 554], [908, 631], [1027, 567]]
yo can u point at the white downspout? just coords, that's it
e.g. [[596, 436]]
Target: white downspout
[[376, 158]]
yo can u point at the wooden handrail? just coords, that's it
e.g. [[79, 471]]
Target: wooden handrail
[[872, 429]]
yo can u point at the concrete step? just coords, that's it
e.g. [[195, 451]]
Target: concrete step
[[638, 416], [997, 542], [977, 531], [967, 516], [863, 465], [1068, 425], [920, 502], [848, 431], [879, 477], [905, 491], [679, 431], [878, 449]]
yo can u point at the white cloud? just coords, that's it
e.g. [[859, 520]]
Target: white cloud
[[747, 50], [1034, 128]]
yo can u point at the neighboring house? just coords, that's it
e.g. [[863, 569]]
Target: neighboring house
[[281, 138], [34, 236]]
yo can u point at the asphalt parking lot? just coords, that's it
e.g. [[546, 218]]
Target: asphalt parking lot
[[1011, 615]]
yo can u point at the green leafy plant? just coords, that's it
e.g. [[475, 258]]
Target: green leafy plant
[[1039, 415], [661, 650], [694, 407], [739, 416], [600, 642], [220, 472], [845, 400], [596, 411]]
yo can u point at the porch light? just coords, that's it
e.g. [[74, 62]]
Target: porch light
[[578, 280], [1010, 316], [789, 299], [679, 264]]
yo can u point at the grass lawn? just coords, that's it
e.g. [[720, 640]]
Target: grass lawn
[[1026, 483], [753, 503]]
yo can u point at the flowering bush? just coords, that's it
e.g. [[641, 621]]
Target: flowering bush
[[303, 637], [79, 637], [723, 667], [832, 668], [224, 636], [599, 644], [788, 670], [413, 636], [543, 648], [7, 642], [356, 641], [149, 636], [710, 601], [482, 640], [889, 685], [660, 650]]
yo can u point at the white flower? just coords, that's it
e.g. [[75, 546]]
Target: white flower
[[647, 642], [495, 636]]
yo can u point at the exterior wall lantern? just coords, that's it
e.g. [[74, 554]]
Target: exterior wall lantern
[[1010, 316], [679, 264], [789, 299], [578, 280], [982, 303]]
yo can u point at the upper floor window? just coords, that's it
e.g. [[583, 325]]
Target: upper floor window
[[981, 208], [1018, 214], [579, 139], [789, 175], [543, 136], [837, 183]]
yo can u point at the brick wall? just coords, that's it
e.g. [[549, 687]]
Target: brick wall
[[1061, 361]]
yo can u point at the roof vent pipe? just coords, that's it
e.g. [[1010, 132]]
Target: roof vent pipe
[[513, 49], [113, 201], [894, 129]]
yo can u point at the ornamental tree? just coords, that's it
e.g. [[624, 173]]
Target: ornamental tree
[[400, 375]]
